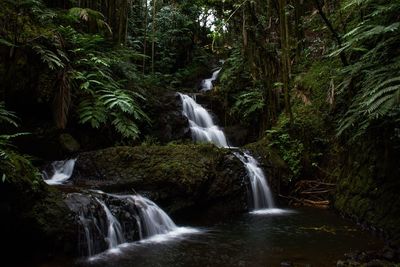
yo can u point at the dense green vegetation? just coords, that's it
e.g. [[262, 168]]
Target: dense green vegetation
[[316, 81]]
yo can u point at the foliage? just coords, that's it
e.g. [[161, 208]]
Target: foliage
[[6, 116], [289, 148], [249, 103], [174, 38], [372, 79], [7, 153], [303, 143], [103, 98], [90, 82]]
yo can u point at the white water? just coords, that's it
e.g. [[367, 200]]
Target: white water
[[115, 235], [154, 224], [155, 220], [62, 172], [204, 130], [207, 84], [262, 197], [88, 235], [201, 124]]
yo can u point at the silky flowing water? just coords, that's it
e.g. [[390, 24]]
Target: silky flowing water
[[267, 236], [302, 237]]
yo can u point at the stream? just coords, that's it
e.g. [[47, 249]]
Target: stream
[[266, 236], [297, 237]]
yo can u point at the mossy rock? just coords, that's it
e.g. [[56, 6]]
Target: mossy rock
[[274, 166], [177, 177], [368, 188], [34, 216]]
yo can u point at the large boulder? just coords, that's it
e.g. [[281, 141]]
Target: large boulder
[[168, 122], [34, 216], [180, 178]]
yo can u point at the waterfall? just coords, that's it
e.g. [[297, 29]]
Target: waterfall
[[201, 124], [109, 220], [115, 235], [261, 193], [204, 130], [61, 172], [207, 84], [153, 218]]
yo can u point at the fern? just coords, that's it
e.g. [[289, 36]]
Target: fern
[[375, 75], [92, 111], [125, 126], [249, 103], [53, 61], [90, 16], [7, 116]]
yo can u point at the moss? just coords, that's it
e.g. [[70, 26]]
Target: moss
[[33, 212], [196, 175], [368, 190]]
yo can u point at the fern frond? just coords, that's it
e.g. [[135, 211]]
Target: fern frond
[[53, 61], [92, 111], [6, 116], [125, 126]]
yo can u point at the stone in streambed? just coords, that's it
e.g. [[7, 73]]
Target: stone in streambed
[[180, 178]]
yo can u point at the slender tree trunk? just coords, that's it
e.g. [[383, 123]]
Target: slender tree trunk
[[154, 36], [332, 30], [285, 59], [145, 36]]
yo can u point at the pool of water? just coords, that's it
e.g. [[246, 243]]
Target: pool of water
[[302, 237]]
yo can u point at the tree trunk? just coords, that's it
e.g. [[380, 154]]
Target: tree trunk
[[332, 30], [285, 59], [154, 36], [145, 36]]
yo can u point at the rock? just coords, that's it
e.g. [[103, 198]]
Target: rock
[[389, 254], [368, 187], [340, 263], [68, 143], [275, 168], [168, 124], [179, 178], [378, 263], [91, 214], [34, 216], [237, 134]]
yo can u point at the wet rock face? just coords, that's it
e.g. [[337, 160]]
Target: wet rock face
[[92, 220], [34, 216], [368, 189], [168, 122], [375, 258], [275, 168], [178, 177]]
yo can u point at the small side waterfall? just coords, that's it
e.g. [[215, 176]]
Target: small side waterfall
[[61, 172], [204, 130], [201, 124], [262, 196], [115, 235], [207, 84], [153, 218], [109, 220]]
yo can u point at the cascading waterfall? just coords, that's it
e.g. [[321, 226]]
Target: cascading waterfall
[[155, 220], [109, 220], [204, 130], [201, 124], [115, 235], [207, 84], [61, 172], [262, 196]]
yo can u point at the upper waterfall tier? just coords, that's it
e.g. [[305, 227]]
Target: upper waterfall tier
[[201, 124]]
